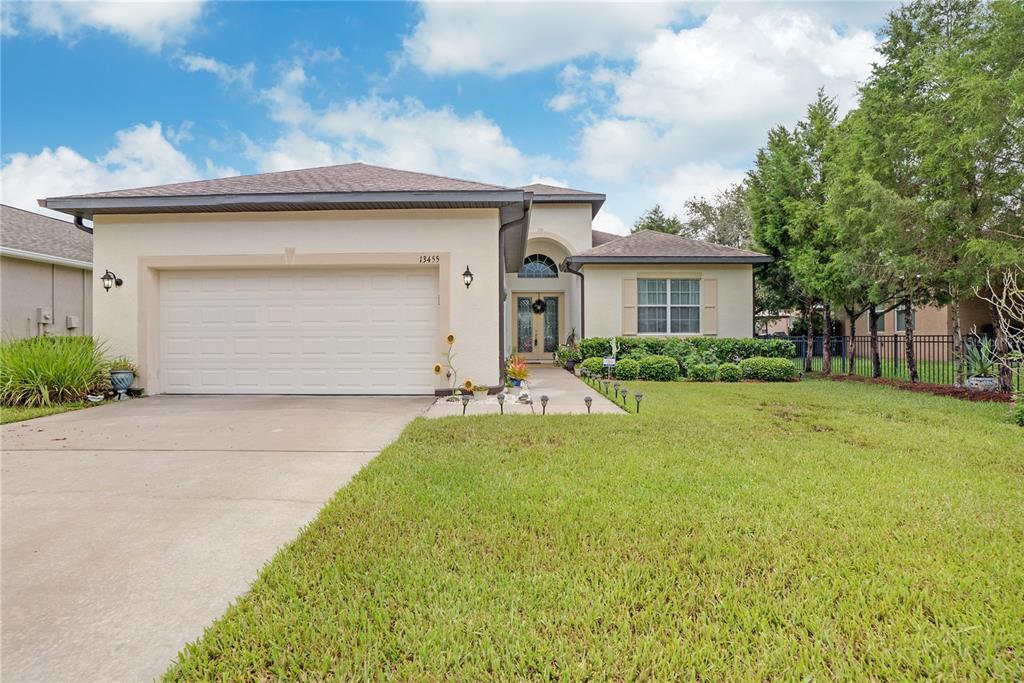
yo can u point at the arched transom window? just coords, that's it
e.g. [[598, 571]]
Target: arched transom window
[[538, 265]]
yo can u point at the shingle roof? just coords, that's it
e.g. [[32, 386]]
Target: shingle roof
[[544, 189], [32, 232], [552, 194], [357, 177], [599, 237], [652, 246]]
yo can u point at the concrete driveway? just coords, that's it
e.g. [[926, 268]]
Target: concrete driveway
[[128, 528]]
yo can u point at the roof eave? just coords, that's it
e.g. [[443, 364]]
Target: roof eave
[[87, 207], [37, 257], [596, 201], [581, 260]]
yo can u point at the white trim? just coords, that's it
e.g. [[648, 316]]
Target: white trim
[[44, 258], [668, 307]]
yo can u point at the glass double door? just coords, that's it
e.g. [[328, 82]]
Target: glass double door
[[538, 324]]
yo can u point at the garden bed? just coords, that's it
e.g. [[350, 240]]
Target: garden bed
[[935, 389]]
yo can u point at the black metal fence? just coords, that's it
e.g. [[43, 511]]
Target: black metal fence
[[934, 354]]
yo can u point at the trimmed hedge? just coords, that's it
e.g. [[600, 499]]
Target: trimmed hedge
[[729, 372], [768, 369], [627, 346], [593, 364], [627, 368], [599, 347], [702, 372], [659, 369]]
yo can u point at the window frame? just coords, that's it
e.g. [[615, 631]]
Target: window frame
[[538, 257], [668, 306], [903, 310]]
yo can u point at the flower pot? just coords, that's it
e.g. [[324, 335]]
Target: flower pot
[[982, 383], [480, 394], [570, 365], [517, 382], [120, 380]]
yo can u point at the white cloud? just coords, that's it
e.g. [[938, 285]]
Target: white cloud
[[141, 156], [225, 73], [148, 23], [509, 37], [609, 222], [695, 180]]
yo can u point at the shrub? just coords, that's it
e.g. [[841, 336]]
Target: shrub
[[627, 368], [704, 357], [659, 369], [729, 372], [1017, 411], [42, 371], [626, 346], [702, 372], [566, 353], [593, 364], [768, 369], [600, 347], [655, 346]]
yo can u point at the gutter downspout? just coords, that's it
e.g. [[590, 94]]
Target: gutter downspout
[[583, 296], [503, 229], [81, 226]]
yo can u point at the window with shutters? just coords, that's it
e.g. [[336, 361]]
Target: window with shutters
[[667, 306]]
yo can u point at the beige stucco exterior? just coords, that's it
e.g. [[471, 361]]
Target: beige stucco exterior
[[63, 291], [975, 317], [138, 248], [726, 296]]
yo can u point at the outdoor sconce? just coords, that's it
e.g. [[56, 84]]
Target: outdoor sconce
[[501, 402], [109, 280], [543, 405], [465, 402], [588, 401], [467, 277], [639, 396]]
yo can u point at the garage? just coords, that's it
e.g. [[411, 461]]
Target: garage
[[299, 331]]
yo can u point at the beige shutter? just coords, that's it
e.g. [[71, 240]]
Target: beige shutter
[[709, 306], [629, 306]]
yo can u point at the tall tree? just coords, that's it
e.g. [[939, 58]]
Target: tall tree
[[656, 219], [722, 219]]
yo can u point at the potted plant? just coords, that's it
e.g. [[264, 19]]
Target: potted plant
[[516, 370], [982, 370], [122, 374], [567, 357]]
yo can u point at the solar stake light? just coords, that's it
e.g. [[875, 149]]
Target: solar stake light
[[588, 401], [465, 402], [606, 383], [501, 402], [639, 396], [625, 393], [544, 405], [615, 389]]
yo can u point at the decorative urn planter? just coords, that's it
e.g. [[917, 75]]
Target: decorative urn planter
[[980, 383], [570, 365], [120, 380], [517, 382]]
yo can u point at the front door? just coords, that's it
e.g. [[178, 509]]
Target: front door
[[538, 325]]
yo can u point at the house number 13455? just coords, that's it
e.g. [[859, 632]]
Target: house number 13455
[[430, 259]]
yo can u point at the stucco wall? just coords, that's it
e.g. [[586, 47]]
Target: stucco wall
[[137, 248], [28, 285], [566, 223], [603, 290]]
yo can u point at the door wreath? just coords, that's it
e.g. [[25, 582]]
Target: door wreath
[[539, 306]]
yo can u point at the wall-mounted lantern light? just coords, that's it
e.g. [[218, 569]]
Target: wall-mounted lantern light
[[109, 280], [467, 277]]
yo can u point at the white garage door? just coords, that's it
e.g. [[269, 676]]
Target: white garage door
[[299, 331]]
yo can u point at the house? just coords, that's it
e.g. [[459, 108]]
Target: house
[[45, 276], [347, 279]]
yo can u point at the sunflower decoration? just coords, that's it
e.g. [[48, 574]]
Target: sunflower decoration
[[468, 385], [450, 338], [438, 368]]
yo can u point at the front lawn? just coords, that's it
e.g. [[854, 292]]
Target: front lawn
[[19, 413], [818, 530]]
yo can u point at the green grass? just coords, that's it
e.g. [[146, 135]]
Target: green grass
[[19, 413], [817, 530]]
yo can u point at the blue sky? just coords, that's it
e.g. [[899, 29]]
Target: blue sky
[[644, 102]]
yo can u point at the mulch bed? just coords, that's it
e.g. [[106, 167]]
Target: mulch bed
[[936, 389]]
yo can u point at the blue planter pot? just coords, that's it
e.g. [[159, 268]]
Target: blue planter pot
[[120, 380], [517, 382]]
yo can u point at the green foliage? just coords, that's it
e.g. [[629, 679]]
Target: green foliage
[[596, 346], [702, 372], [594, 364], [768, 369], [729, 372], [656, 368], [724, 219], [656, 219], [123, 363], [43, 371], [981, 359], [627, 369], [1017, 410], [566, 353], [625, 346]]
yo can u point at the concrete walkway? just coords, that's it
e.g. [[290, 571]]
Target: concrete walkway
[[128, 528], [565, 394]]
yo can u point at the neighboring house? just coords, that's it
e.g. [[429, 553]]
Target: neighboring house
[[975, 318], [346, 279], [45, 274]]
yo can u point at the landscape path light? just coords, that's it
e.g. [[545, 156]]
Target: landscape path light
[[624, 393], [501, 402], [639, 396], [465, 402], [544, 405], [588, 401]]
